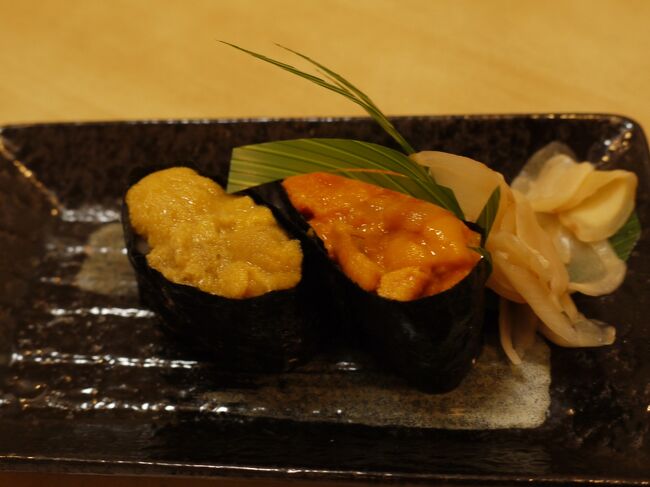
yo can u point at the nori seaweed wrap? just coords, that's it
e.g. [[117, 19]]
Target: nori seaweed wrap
[[266, 333], [431, 341]]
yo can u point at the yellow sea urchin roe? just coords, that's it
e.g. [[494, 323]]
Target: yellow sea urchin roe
[[201, 236]]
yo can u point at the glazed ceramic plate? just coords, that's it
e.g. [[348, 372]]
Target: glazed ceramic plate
[[89, 383]]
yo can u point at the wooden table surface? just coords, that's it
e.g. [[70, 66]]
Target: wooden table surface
[[138, 59]]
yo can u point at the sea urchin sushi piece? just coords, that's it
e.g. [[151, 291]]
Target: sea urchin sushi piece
[[413, 283], [219, 269]]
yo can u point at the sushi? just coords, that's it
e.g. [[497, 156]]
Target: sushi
[[260, 288], [404, 273], [220, 270]]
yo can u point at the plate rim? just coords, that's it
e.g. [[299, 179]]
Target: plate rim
[[53, 464], [570, 115]]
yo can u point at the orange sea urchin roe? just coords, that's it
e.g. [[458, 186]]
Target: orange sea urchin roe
[[396, 245], [200, 236]]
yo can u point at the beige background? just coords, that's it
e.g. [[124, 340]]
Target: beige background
[[119, 59]]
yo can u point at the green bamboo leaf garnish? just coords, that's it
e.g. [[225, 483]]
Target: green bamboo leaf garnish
[[257, 164], [338, 85], [261, 163], [489, 213], [627, 236]]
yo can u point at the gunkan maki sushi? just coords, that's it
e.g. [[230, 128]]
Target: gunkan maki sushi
[[220, 270], [404, 271]]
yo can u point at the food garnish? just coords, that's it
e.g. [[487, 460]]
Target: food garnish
[[562, 227]]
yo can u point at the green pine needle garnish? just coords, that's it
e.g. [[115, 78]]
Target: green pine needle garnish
[[337, 84]]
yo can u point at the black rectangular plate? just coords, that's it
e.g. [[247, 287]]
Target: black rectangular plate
[[63, 350]]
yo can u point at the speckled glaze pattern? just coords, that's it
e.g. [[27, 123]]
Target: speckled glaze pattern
[[59, 345]]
